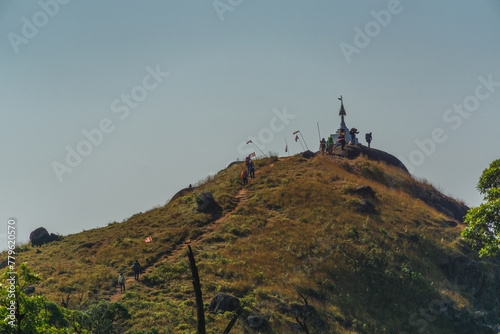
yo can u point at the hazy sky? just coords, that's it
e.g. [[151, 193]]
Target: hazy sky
[[110, 107]]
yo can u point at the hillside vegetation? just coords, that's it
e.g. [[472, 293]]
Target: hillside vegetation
[[299, 232]]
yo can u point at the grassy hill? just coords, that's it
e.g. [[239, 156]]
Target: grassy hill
[[297, 229]]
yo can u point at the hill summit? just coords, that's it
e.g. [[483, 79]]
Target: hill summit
[[329, 244]]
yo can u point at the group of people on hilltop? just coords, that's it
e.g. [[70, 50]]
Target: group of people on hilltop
[[327, 146], [136, 268], [248, 172]]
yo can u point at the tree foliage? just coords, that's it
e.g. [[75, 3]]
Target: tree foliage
[[483, 230], [23, 312]]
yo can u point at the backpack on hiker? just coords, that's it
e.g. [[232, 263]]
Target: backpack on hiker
[[243, 174]]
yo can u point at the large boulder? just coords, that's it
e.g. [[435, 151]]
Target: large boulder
[[308, 154], [365, 191], [224, 303], [256, 321], [365, 206], [41, 236], [207, 203]]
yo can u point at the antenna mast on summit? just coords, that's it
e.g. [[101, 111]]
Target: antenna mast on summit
[[342, 110]]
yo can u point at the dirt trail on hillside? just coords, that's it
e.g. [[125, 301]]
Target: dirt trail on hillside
[[242, 197]]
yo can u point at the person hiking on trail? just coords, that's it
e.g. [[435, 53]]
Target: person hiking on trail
[[329, 145], [251, 170], [341, 139], [368, 138], [121, 280], [353, 134], [244, 177], [136, 267], [322, 146], [247, 161]]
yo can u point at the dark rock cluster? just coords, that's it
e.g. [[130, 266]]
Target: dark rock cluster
[[41, 236]]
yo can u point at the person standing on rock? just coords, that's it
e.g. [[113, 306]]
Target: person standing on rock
[[368, 138], [322, 146], [136, 267], [121, 281], [353, 134], [341, 139]]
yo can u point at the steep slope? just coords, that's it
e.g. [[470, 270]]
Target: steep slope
[[300, 229]]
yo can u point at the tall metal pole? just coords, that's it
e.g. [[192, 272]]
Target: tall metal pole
[[297, 137], [304, 140], [248, 142]]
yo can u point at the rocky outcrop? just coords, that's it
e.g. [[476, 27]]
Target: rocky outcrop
[[365, 206], [41, 236], [224, 303], [354, 151], [365, 191], [308, 154], [207, 203], [440, 202], [256, 321]]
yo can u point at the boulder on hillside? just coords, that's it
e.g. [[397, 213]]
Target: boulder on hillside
[[365, 191], [365, 206], [41, 236], [224, 303], [308, 154], [256, 321], [207, 203], [30, 289], [440, 202]]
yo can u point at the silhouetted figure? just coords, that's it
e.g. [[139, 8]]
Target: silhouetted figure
[[353, 134], [322, 146], [121, 280], [251, 170], [136, 267], [341, 139], [368, 138]]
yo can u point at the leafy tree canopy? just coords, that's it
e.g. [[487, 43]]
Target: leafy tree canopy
[[483, 230], [26, 313]]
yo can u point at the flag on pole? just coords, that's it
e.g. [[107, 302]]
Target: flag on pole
[[252, 155], [148, 239], [286, 148], [296, 138], [296, 132], [248, 142]]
